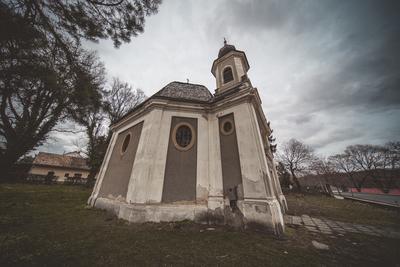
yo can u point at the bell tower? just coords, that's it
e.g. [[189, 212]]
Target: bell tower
[[229, 68]]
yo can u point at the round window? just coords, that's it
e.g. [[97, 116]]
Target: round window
[[125, 144], [183, 136], [227, 127]]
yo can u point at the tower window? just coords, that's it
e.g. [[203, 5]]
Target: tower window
[[227, 74]]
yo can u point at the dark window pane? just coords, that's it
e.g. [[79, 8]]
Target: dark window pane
[[126, 143], [183, 136], [228, 75], [227, 126]]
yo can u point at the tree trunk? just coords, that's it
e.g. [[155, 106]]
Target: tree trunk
[[296, 181], [6, 164], [354, 182]]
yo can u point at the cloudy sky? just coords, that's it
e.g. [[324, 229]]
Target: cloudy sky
[[328, 71]]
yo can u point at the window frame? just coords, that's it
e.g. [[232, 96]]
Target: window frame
[[192, 141], [223, 74], [222, 128]]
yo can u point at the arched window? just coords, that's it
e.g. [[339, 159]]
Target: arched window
[[227, 74]]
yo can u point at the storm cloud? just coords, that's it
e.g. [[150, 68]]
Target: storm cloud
[[328, 72]]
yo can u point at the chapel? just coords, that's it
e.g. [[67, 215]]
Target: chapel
[[188, 154]]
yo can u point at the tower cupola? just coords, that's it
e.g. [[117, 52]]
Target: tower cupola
[[229, 68]]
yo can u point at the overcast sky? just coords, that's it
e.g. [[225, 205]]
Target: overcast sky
[[328, 71]]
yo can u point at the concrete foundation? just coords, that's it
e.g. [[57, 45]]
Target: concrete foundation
[[250, 214]]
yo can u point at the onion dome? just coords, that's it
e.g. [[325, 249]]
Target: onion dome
[[225, 49]]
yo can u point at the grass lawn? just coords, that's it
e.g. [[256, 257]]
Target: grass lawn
[[51, 226], [343, 210]]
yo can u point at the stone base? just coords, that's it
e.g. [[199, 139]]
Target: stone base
[[140, 213], [263, 214]]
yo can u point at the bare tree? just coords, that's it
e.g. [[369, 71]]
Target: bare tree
[[393, 154], [321, 166], [388, 162], [374, 161], [121, 99], [324, 169], [117, 102], [284, 176], [296, 157], [371, 159], [344, 163]]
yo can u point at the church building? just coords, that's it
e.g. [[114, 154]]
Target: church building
[[188, 154]]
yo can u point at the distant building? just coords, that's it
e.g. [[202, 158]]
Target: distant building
[[388, 180], [188, 154], [64, 166]]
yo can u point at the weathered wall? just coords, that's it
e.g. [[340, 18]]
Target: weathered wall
[[116, 178], [181, 167], [146, 183], [230, 161], [147, 178]]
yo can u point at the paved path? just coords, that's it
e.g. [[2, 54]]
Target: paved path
[[329, 227], [380, 198]]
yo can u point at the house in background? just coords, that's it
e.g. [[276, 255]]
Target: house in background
[[69, 165]]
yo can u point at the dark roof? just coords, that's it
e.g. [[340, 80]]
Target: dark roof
[[225, 50], [185, 91], [62, 161], [180, 91]]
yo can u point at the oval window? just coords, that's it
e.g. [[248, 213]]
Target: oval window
[[183, 136], [125, 143], [227, 127]]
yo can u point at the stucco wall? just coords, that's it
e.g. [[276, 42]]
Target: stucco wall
[[231, 173], [181, 167], [116, 178], [146, 183]]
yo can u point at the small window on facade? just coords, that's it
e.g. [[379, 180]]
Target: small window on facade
[[227, 127], [227, 74], [183, 136], [125, 143]]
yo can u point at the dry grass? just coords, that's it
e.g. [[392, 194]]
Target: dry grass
[[342, 210], [51, 226]]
